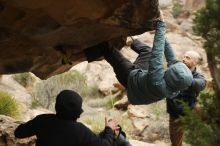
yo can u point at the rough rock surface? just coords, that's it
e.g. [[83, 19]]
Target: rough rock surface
[[47, 37], [7, 126]]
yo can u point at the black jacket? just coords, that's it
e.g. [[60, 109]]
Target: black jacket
[[174, 105], [52, 131]]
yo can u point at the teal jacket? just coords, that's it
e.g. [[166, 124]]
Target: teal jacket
[[156, 83]]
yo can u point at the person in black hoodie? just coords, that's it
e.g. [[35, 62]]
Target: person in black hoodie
[[62, 128]]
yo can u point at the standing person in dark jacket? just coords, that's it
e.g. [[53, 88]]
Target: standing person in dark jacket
[[62, 129], [175, 107], [146, 79]]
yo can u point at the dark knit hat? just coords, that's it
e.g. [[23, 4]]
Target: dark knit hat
[[68, 104]]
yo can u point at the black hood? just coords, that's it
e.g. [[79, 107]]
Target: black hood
[[68, 104]]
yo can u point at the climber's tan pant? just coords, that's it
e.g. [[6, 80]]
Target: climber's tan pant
[[176, 131]]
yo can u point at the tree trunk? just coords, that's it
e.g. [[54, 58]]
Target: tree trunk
[[215, 72]]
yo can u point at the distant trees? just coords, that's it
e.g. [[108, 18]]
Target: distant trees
[[207, 132], [207, 24]]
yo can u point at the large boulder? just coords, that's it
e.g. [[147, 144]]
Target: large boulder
[[7, 138], [48, 37]]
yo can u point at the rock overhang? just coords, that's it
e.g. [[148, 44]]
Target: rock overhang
[[31, 31]]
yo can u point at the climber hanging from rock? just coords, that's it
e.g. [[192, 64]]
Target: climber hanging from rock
[[146, 79]]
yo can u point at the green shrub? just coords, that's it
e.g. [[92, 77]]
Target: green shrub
[[8, 105], [25, 79], [110, 102], [35, 103], [92, 92], [96, 125], [177, 8], [198, 132], [203, 132]]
